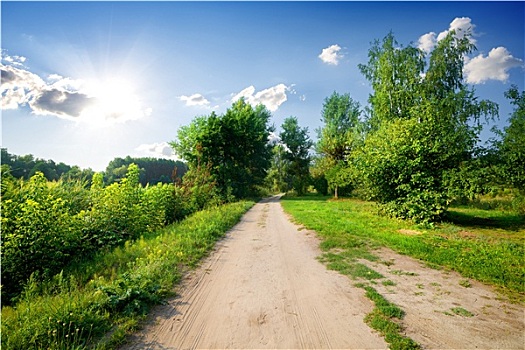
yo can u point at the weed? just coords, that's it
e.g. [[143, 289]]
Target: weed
[[388, 263], [387, 308], [465, 283], [382, 319], [461, 312], [402, 273], [388, 283]]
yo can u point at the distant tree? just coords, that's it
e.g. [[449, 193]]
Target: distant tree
[[26, 166], [151, 170], [235, 146], [337, 138], [512, 144], [277, 178], [297, 151]]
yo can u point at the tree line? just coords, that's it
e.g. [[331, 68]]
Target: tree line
[[151, 170], [415, 148]]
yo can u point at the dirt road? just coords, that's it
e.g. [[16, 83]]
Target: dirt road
[[263, 288]]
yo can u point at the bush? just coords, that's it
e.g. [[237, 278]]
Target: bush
[[39, 234], [406, 173], [47, 225]]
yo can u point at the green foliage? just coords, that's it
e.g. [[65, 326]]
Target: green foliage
[[39, 234], [23, 167], [297, 146], [338, 138], [120, 211], [234, 145], [198, 190], [394, 72], [111, 292], [46, 225], [424, 125], [340, 116], [512, 146], [152, 170], [277, 177], [404, 173]]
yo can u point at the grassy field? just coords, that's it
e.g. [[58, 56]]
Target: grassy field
[[486, 245], [94, 304]]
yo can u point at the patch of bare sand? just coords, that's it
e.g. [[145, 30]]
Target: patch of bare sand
[[429, 297], [262, 288]]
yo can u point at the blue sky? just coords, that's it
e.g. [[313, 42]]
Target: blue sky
[[85, 82]]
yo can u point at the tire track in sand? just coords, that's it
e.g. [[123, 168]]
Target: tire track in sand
[[262, 288]]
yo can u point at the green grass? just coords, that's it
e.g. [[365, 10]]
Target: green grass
[[383, 319], [461, 312], [486, 245], [95, 304]]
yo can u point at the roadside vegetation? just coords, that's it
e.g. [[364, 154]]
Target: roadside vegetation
[[95, 303], [486, 245]]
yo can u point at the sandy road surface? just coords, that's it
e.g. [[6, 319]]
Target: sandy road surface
[[262, 288]]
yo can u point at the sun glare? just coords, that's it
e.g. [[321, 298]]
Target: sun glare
[[115, 101]]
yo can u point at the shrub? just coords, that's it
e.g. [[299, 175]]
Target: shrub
[[39, 234]]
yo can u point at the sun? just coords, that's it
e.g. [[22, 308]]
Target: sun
[[114, 100]]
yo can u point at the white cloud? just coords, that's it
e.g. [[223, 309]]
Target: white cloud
[[494, 66], [461, 26], [272, 97], [274, 139], [100, 102], [195, 100], [331, 55], [157, 150], [19, 86], [13, 60], [427, 41]]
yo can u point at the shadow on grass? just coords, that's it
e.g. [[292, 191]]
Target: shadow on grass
[[504, 220], [307, 197]]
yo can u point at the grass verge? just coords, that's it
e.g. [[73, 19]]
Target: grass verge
[[95, 304], [486, 245]]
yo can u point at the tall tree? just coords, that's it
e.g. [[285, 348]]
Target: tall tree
[[395, 73], [235, 146], [277, 178], [512, 145], [336, 139], [297, 145], [424, 124]]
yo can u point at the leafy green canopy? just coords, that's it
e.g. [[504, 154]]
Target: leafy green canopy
[[512, 146], [337, 138], [297, 152], [152, 170], [234, 145], [423, 124]]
